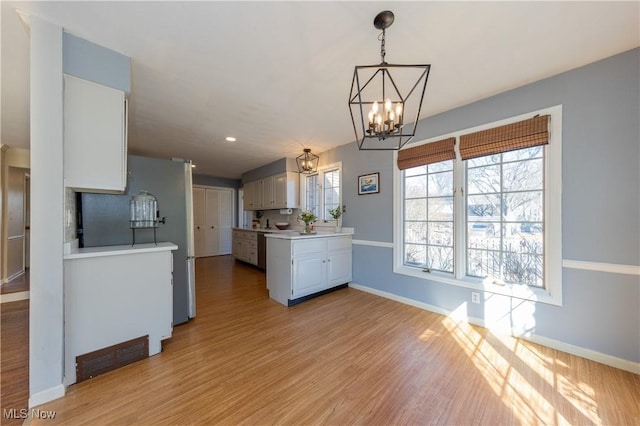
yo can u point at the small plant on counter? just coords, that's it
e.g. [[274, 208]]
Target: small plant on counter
[[336, 213], [307, 217]]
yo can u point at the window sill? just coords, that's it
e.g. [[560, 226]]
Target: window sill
[[516, 291]]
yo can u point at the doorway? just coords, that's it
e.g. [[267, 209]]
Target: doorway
[[213, 215]]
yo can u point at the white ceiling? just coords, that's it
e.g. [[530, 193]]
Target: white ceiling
[[276, 75]]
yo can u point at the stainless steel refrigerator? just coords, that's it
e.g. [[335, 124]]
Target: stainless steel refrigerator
[[104, 221]]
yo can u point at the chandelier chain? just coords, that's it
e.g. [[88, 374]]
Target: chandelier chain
[[383, 51]]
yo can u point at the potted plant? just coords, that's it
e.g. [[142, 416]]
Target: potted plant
[[307, 217], [257, 223], [335, 214]]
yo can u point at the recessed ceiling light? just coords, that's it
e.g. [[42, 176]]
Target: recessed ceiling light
[[193, 166], [230, 139]]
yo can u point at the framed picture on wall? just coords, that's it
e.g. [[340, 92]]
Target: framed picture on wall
[[369, 184]]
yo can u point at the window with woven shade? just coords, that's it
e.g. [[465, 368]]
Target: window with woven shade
[[481, 208], [427, 153], [510, 137]]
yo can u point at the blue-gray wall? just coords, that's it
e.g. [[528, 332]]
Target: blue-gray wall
[[93, 62], [216, 181], [600, 207], [279, 166]]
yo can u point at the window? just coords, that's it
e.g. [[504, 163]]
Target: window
[[428, 216], [504, 217], [486, 219], [322, 191]]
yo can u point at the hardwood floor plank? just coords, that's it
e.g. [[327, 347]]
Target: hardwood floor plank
[[14, 359], [347, 357]]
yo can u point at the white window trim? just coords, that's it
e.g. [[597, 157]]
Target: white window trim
[[552, 293], [320, 223]]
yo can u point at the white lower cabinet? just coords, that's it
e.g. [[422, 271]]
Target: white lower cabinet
[[297, 268], [245, 246]]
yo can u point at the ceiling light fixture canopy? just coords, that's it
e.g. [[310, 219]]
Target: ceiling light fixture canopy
[[307, 162], [385, 98]]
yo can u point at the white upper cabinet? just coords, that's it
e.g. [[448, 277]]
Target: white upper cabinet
[[95, 137], [285, 190], [273, 192], [268, 200]]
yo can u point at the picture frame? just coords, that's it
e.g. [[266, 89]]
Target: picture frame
[[369, 184]]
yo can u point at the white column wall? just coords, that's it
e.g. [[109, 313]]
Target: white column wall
[[46, 327]]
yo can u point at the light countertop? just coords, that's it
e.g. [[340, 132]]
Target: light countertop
[[296, 235], [258, 229], [79, 253]]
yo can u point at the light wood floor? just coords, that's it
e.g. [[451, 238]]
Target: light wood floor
[[14, 359], [348, 357]]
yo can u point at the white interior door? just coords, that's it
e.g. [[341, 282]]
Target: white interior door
[[213, 221], [198, 221], [212, 229], [225, 219]]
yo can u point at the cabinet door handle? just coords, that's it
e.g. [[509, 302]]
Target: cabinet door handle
[[212, 227]]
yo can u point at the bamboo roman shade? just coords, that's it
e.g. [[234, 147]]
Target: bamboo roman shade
[[523, 134], [428, 153]]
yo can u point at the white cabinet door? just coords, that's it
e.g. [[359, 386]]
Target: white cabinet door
[[257, 194], [280, 191], [309, 274], [338, 260], [268, 200], [253, 195], [339, 267], [95, 136]]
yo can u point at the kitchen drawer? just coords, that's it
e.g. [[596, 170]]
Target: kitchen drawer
[[301, 247], [339, 243], [245, 235]]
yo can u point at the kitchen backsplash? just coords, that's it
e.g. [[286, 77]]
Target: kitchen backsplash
[[70, 223], [274, 216]]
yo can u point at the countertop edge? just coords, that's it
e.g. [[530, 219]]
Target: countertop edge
[[263, 230], [298, 236], [81, 253]]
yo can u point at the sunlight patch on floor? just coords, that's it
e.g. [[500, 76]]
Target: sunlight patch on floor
[[526, 403], [516, 382]]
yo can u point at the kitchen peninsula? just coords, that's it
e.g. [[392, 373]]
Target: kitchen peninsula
[[114, 294], [300, 267]]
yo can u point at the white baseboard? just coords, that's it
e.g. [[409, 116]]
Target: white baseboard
[[46, 395], [612, 361], [14, 297]]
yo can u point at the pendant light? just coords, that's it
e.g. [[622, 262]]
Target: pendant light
[[307, 162], [386, 99]]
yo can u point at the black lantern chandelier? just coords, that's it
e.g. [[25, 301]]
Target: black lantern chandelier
[[384, 98], [307, 162]]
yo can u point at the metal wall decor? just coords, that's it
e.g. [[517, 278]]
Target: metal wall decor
[[307, 162], [385, 98]]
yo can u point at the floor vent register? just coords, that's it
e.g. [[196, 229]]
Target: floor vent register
[[107, 359]]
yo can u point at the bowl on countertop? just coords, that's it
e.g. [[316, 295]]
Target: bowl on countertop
[[282, 225]]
